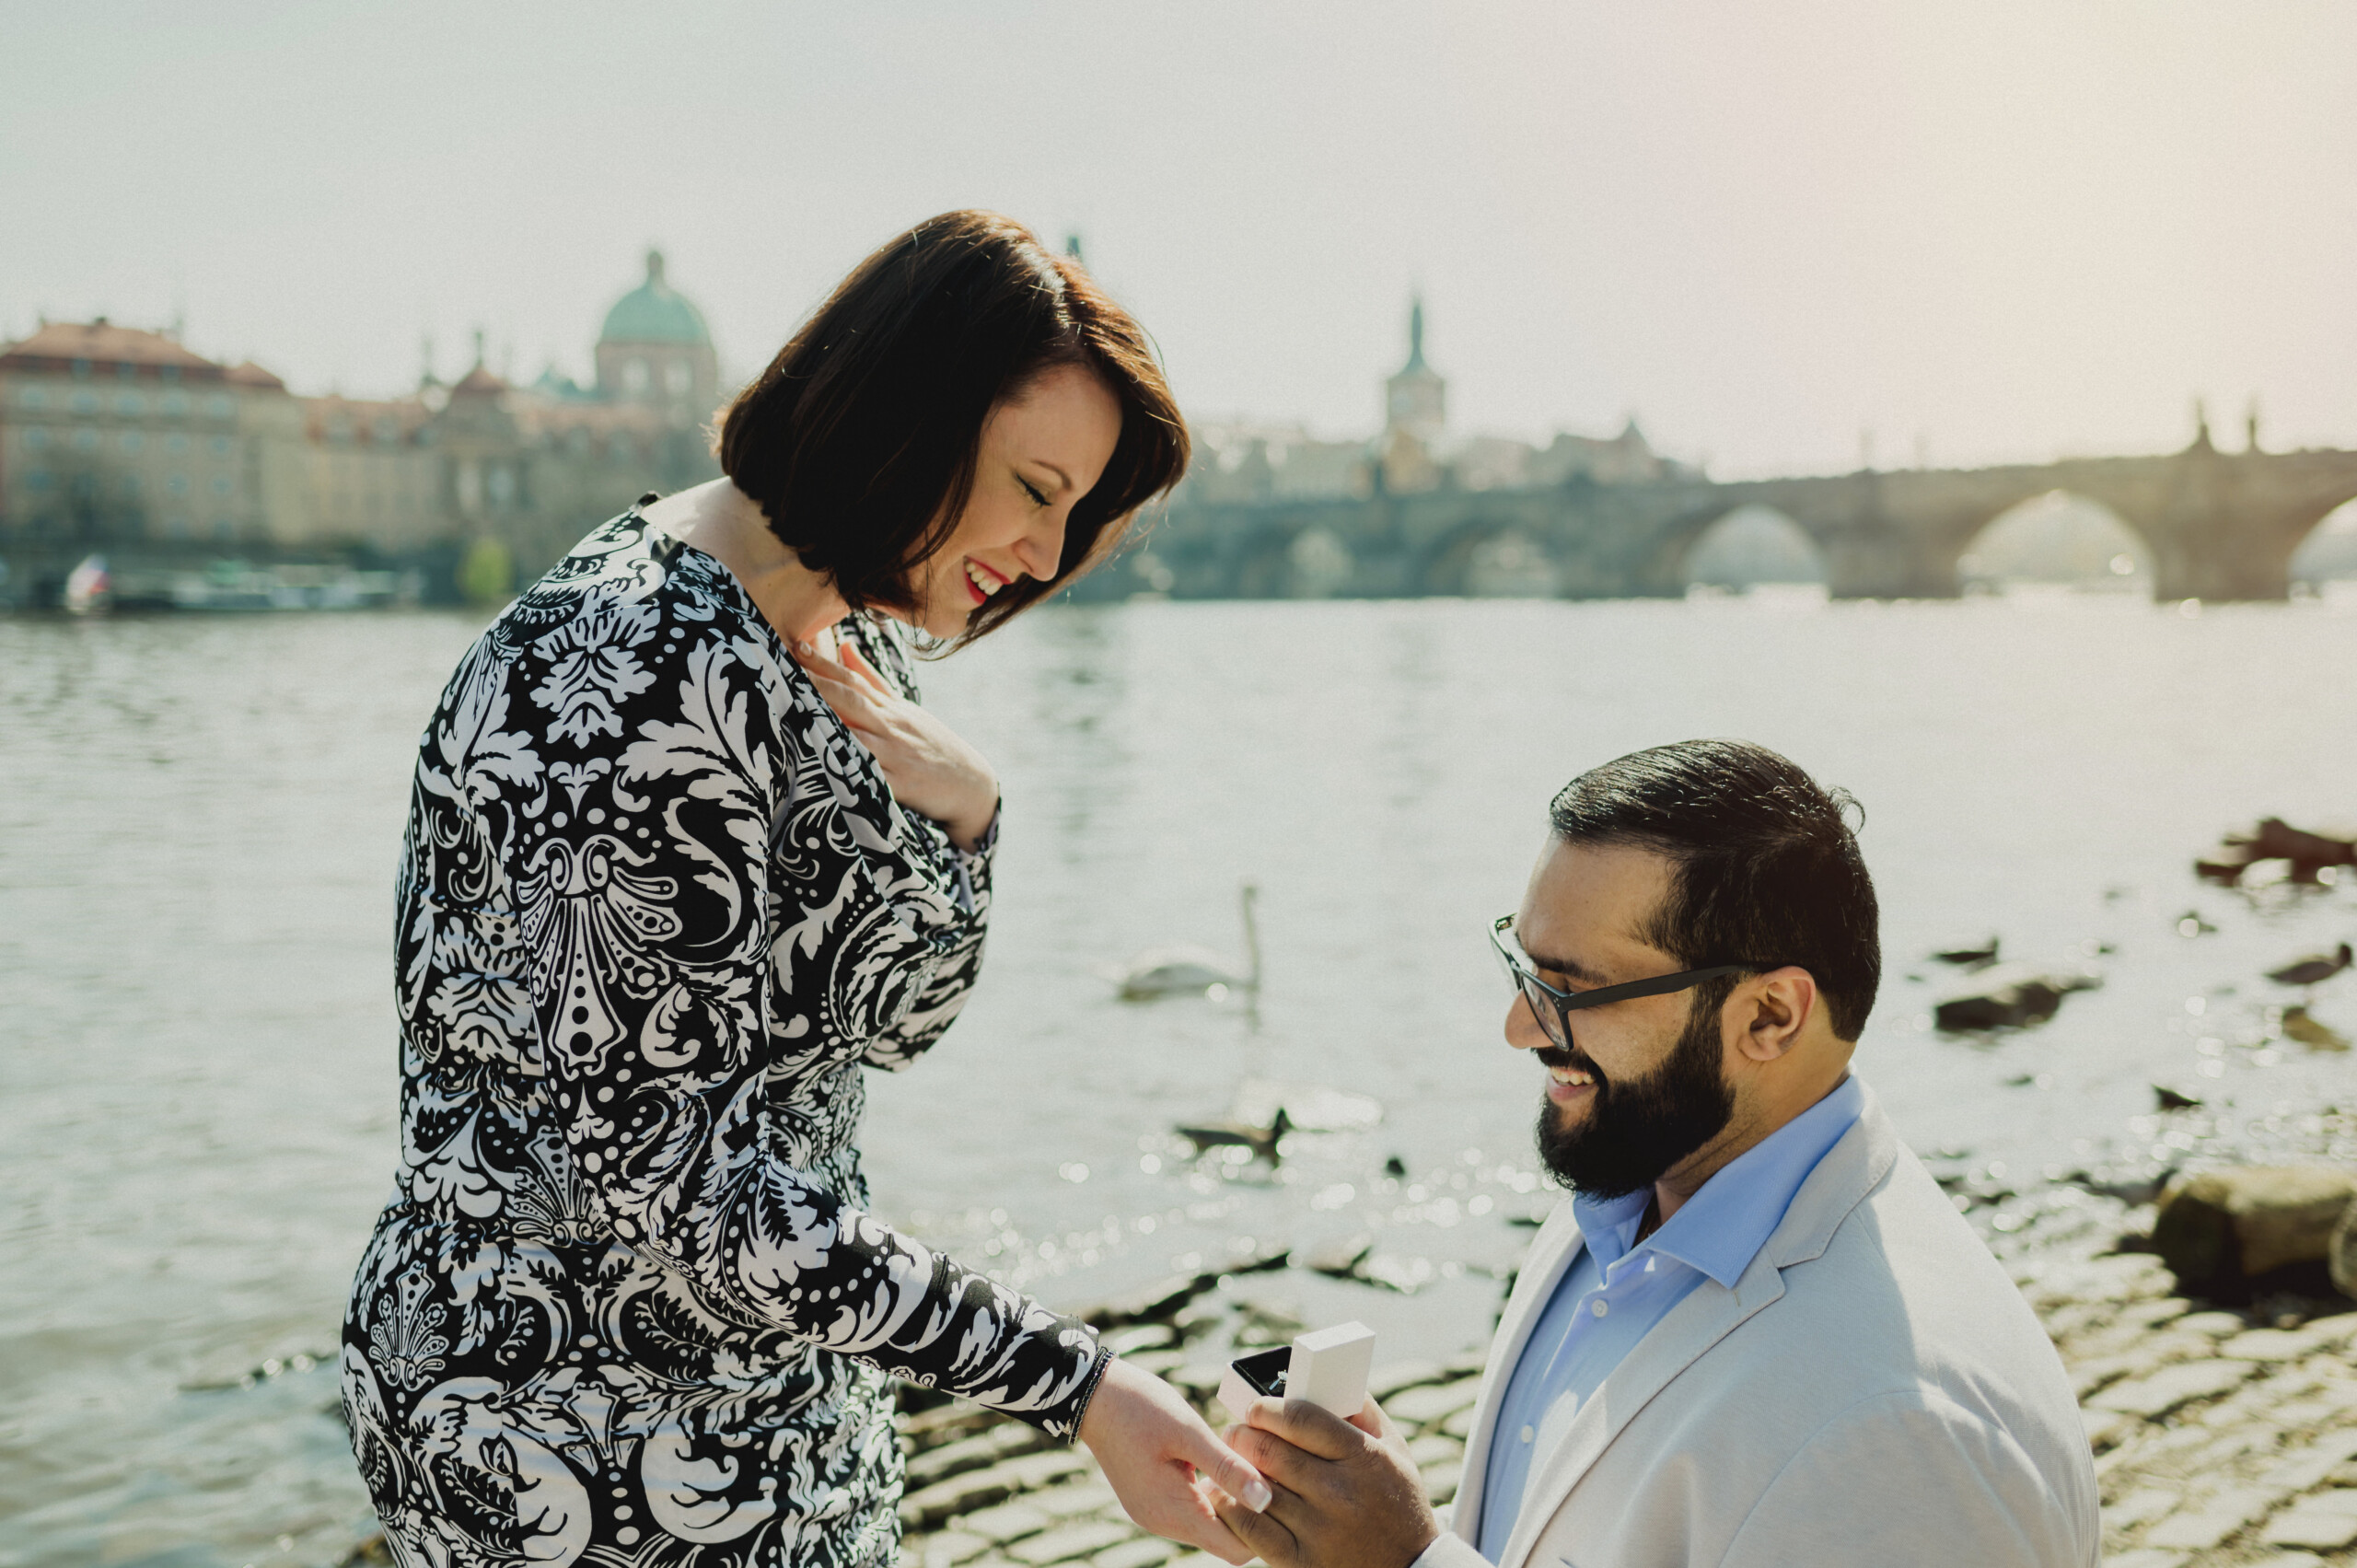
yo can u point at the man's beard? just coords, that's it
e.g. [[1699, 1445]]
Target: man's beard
[[1635, 1131]]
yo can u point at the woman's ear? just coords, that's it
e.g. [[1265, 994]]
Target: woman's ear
[[1781, 1002]]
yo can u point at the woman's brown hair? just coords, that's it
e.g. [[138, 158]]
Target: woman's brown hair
[[860, 439]]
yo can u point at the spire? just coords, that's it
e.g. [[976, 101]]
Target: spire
[[1415, 335], [655, 269], [1072, 248]]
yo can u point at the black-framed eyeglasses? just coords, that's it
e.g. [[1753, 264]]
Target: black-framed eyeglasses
[[1553, 1008]]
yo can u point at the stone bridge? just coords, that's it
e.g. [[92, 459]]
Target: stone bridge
[[2218, 525]]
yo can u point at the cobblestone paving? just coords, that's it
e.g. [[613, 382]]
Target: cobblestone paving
[[2222, 1439]]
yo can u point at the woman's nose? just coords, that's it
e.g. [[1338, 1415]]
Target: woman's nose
[[1042, 550]]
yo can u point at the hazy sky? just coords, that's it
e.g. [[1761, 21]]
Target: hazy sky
[[2003, 229]]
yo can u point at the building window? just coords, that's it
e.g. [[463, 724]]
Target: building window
[[635, 376], [174, 403], [223, 529], [220, 445], [86, 402], [86, 439], [132, 441], [177, 485], [221, 484], [36, 438], [130, 402], [679, 378], [220, 406], [130, 485], [177, 446], [32, 397], [176, 525], [36, 480], [171, 373], [81, 370]]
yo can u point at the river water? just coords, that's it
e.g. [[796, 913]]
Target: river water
[[197, 1075]]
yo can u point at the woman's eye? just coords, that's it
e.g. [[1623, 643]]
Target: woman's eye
[[1036, 499]]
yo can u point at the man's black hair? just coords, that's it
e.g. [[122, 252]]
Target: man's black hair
[[1765, 868]]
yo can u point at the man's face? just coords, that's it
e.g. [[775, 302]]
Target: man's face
[[1644, 1083]]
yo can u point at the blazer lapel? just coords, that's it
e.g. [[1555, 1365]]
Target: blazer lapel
[[1552, 1251], [1849, 1171]]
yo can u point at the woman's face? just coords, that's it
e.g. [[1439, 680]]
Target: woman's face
[[1040, 454]]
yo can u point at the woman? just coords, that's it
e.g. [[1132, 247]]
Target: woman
[[683, 856]]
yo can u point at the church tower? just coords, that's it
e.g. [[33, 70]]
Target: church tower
[[1415, 408], [1416, 400]]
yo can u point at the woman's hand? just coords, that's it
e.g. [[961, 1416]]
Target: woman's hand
[[1160, 1456], [930, 769]]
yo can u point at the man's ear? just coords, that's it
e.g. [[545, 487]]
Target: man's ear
[[1775, 1008]]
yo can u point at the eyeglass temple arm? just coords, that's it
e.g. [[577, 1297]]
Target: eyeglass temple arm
[[1655, 987]]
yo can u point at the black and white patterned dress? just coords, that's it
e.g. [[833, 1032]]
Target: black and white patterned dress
[[658, 909]]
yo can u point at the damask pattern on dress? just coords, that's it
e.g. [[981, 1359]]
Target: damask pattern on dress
[[656, 908]]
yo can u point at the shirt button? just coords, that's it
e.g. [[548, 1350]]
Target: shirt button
[[1598, 1307], [1528, 1433]]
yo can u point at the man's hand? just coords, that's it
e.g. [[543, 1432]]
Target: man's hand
[[1347, 1494], [932, 770], [1164, 1463]]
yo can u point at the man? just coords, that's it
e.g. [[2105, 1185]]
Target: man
[[1758, 1335]]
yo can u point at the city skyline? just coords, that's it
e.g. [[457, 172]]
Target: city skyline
[[2028, 233]]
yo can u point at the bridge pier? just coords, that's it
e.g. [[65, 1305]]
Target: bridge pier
[[2231, 522]]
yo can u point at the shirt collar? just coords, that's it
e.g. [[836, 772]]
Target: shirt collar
[[1720, 1229]]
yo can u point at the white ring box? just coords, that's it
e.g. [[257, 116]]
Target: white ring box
[[1327, 1367]]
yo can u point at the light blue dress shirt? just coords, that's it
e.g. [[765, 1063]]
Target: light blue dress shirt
[[1613, 1292]]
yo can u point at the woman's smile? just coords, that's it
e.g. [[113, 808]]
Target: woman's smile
[[982, 582]]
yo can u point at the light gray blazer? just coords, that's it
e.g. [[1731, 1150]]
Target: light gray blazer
[[1873, 1392]]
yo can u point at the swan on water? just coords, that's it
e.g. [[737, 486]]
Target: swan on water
[[1193, 971]]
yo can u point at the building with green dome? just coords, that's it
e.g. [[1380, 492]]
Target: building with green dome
[[654, 350], [123, 440]]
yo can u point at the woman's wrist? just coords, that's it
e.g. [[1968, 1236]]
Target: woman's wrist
[[970, 828], [1088, 1390]]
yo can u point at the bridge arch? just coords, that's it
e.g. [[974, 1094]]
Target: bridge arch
[[1493, 557], [1310, 561], [2328, 553], [1751, 545], [2058, 538]]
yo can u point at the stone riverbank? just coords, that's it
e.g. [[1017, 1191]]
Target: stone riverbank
[[2223, 1439]]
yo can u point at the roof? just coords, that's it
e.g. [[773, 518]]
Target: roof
[[59, 344], [655, 312], [362, 418], [252, 375], [478, 382]]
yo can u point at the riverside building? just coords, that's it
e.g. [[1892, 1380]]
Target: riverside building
[[124, 441]]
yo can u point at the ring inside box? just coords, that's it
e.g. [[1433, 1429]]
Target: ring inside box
[[1265, 1370]]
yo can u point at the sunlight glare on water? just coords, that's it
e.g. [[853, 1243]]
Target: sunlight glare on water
[[197, 1097]]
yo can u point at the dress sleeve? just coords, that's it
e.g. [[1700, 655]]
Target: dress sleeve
[[967, 872], [650, 924]]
